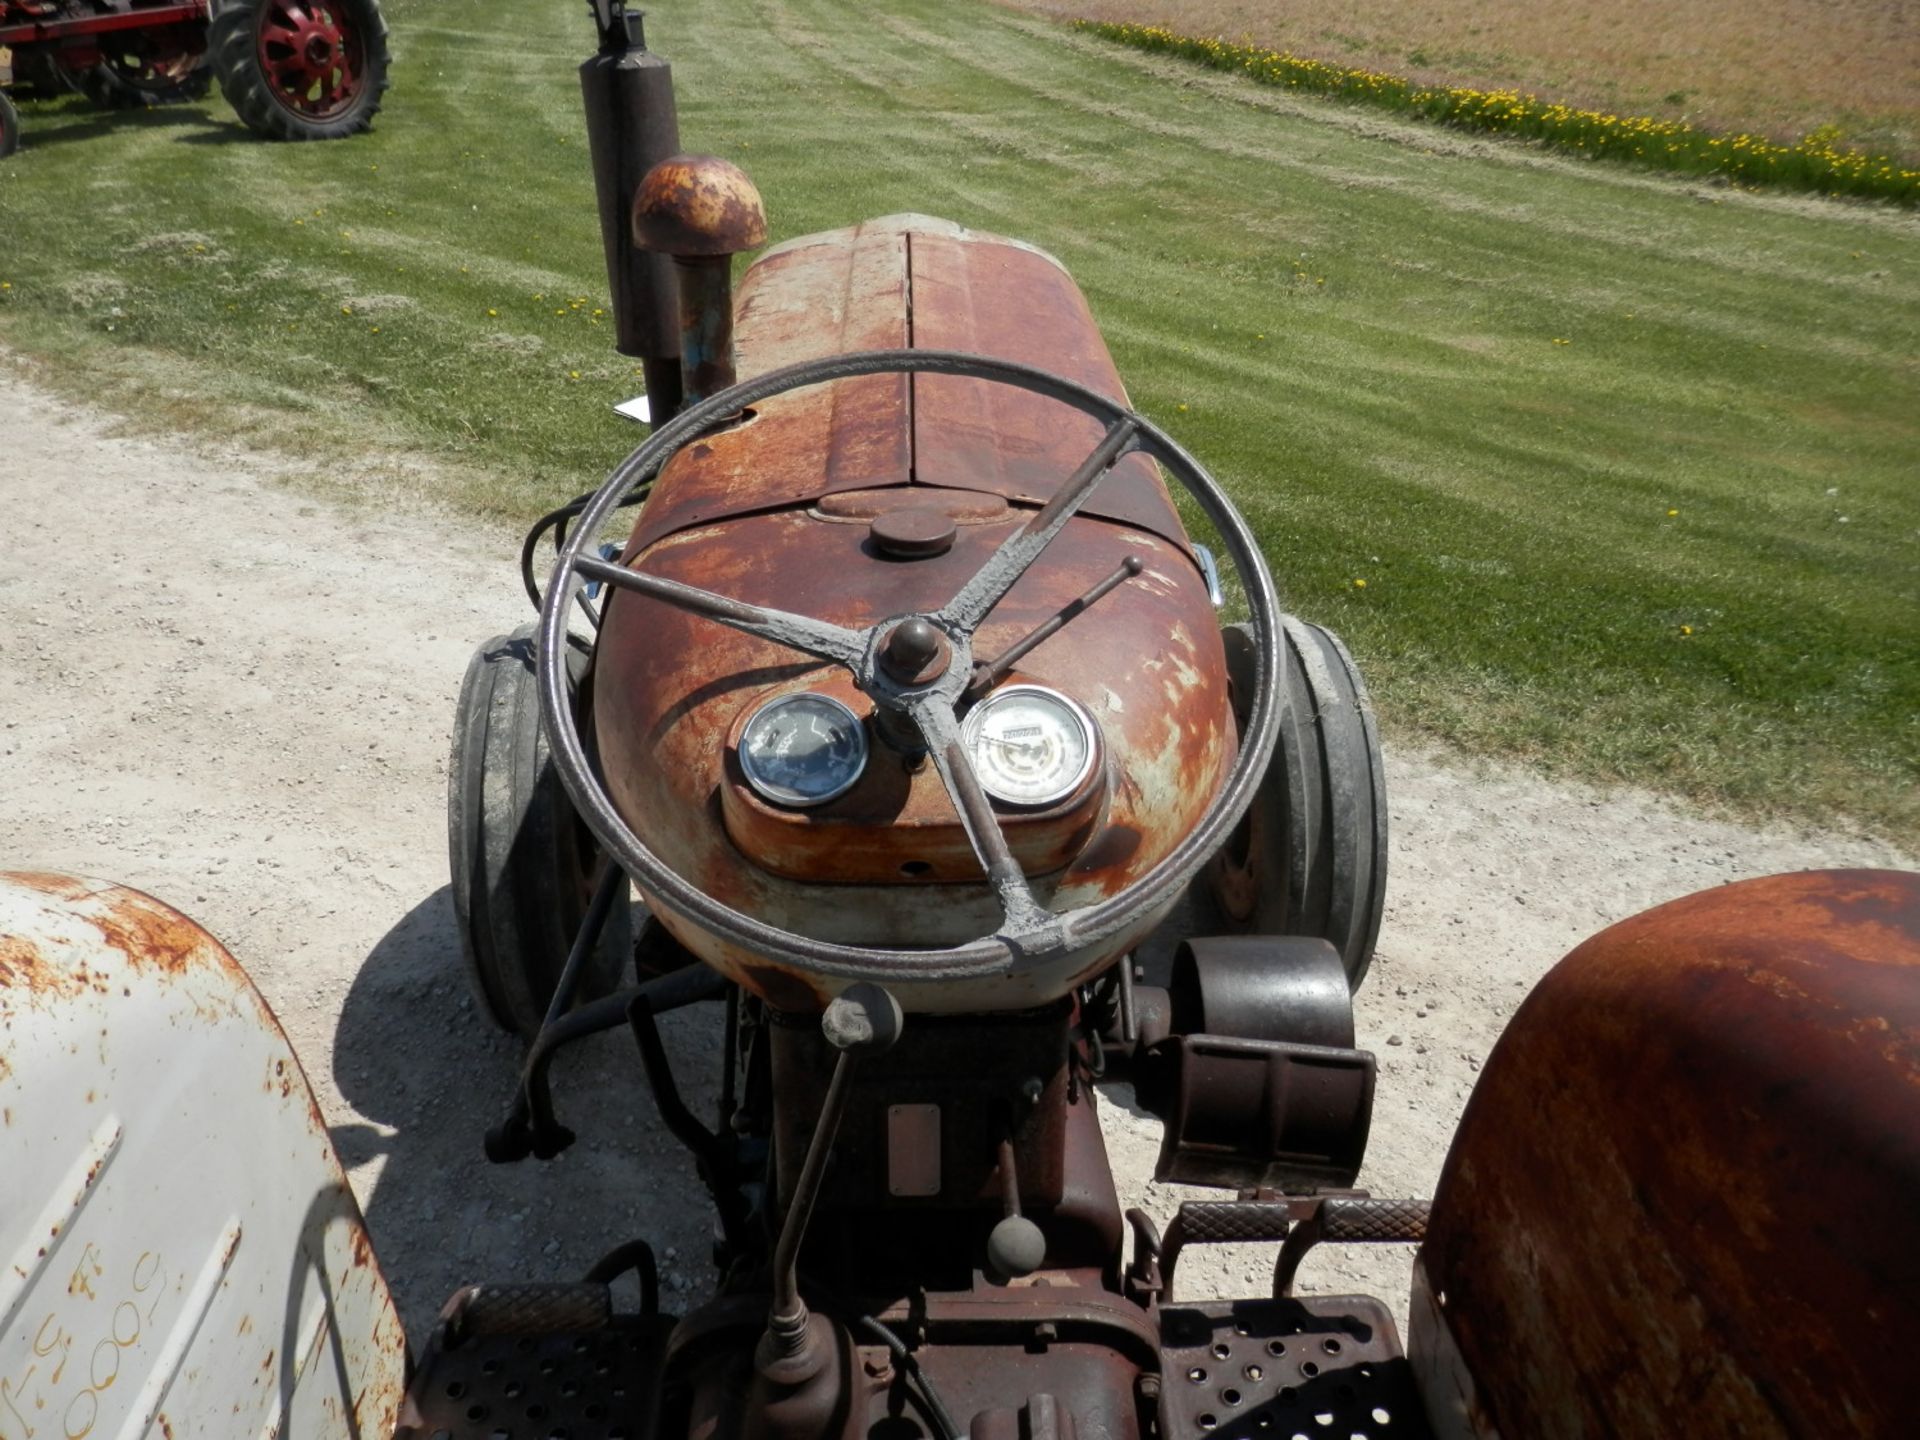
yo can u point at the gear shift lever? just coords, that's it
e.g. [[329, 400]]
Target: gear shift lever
[[862, 1020]]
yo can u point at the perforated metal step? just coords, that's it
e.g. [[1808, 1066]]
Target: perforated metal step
[[591, 1385], [1280, 1369]]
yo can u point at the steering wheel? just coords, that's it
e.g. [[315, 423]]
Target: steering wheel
[[883, 658]]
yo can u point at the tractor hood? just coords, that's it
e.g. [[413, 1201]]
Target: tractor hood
[[796, 507]]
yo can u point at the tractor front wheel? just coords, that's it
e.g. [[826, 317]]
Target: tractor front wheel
[[302, 69], [9, 126], [524, 865], [1310, 858]]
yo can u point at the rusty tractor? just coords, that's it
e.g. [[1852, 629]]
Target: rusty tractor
[[906, 706], [291, 69]]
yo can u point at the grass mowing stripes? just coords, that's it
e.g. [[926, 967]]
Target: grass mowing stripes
[[1477, 377], [1816, 162]]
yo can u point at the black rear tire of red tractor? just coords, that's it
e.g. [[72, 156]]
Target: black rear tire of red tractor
[[301, 72], [9, 126], [1310, 858], [113, 86], [524, 865]]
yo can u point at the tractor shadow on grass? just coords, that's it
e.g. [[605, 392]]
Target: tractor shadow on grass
[[427, 1073], [63, 122]]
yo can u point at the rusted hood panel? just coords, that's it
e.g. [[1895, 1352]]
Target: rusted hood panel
[[1686, 1193], [900, 282]]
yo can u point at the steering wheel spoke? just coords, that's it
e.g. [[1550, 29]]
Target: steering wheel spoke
[[797, 632], [1018, 551], [1024, 917]]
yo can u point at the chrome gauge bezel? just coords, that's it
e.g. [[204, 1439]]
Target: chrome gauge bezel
[[977, 716], [777, 794]]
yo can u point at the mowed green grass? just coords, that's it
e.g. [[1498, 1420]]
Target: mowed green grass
[[1630, 467]]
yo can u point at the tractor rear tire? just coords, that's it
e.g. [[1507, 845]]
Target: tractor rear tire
[[524, 866], [313, 71], [114, 85], [9, 127], [1310, 858]]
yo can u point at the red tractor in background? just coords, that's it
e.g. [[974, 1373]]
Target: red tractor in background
[[291, 69]]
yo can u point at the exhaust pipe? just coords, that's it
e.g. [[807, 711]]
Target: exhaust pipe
[[632, 124], [702, 211]]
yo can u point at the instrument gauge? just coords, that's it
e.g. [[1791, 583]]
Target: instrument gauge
[[1030, 746], [801, 750]]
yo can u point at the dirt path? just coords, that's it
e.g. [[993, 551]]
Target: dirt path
[[218, 690]]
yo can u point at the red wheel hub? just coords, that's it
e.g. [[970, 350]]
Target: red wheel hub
[[312, 55]]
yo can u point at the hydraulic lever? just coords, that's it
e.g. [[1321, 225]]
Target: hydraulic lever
[[862, 1020]]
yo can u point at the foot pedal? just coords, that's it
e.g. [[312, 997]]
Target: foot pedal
[[1349, 1220]]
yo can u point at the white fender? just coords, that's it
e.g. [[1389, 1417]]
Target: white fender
[[179, 1251]]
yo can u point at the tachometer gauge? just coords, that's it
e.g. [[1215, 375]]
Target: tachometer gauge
[[1030, 745], [803, 749]]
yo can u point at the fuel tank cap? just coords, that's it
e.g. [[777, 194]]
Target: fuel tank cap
[[912, 532]]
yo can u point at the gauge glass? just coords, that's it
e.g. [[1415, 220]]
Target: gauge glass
[[1029, 745], [803, 749]]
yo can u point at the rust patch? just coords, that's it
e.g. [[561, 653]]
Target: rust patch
[[65, 887], [146, 933], [24, 968], [1694, 1161], [698, 205], [987, 297], [850, 435]]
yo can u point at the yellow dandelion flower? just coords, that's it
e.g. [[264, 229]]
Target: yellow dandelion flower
[[1359, 584], [573, 374], [493, 314], [1672, 513], [1686, 629]]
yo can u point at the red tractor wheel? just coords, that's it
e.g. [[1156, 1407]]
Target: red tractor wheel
[[302, 69], [9, 126]]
